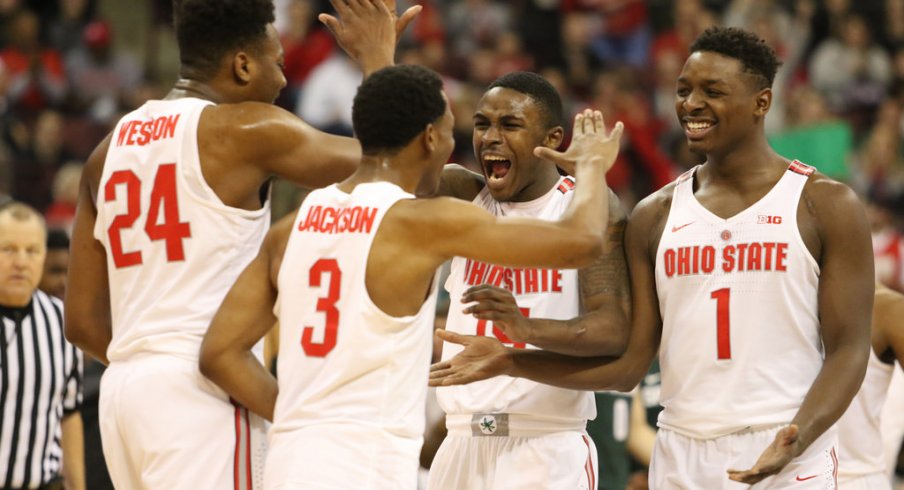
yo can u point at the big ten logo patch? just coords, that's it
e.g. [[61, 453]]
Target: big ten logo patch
[[765, 219]]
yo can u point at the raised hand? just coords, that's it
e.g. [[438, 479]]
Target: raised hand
[[368, 30], [782, 450], [482, 358], [589, 143], [498, 306]]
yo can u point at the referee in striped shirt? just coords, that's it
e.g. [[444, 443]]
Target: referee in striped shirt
[[41, 441]]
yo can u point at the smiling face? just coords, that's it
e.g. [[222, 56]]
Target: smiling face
[[508, 125], [718, 104]]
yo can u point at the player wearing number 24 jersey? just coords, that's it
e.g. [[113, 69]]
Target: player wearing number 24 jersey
[[352, 280], [754, 275], [173, 204]]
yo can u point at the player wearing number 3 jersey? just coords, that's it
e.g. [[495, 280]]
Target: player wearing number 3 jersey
[[353, 279], [173, 204], [754, 274]]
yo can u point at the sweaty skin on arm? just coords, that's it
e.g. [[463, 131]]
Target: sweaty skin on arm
[[87, 313], [601, 329], [846, 291]]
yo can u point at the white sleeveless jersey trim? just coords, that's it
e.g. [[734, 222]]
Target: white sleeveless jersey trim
[[859, 434], [165, 290], [373, 375], [543, 293], [738, 298]]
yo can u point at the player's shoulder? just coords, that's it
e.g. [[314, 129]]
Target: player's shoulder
[[251, 118], [825, 196]]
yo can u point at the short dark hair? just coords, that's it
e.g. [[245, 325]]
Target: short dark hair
[[757, 57], [539, 89], [394, 104], [206, 30], [57, 239]]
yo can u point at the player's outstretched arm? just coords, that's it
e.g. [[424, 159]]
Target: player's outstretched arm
[[485, 357], [846, 290], [600, 330], [368, 30], [87, 313], [242, 320], [254, 141]]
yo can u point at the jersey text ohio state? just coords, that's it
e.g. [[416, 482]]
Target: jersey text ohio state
[[741, 257]]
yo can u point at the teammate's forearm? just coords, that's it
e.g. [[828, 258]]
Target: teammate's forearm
[[589, 335], [576, 373], [245, 379], [588, 210], [835, 386]]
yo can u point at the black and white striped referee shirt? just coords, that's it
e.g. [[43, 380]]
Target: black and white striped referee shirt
[[40, 382]]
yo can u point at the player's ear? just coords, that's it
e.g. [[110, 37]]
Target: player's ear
[[554, 137], [763, 102], [430, 138], [241, 67]]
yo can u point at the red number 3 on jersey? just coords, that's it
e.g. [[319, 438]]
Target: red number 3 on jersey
[[327, 305]]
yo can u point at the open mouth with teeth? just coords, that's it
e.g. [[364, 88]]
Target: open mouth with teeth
[[697, 128], [496, 167]]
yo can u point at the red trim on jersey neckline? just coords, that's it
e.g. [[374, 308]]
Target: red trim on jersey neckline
[[566, 185], [686, 175], [800, 167]]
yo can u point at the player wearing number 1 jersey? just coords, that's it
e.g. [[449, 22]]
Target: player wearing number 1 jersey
[[172, 206], [755, 276], [353, 279]]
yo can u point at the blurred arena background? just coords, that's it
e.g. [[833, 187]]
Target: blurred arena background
[[70, 68]]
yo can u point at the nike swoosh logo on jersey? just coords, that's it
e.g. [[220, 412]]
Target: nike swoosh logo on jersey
[[676, 228], [806, 478]]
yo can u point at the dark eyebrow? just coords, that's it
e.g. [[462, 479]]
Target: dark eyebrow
[[707, 82]]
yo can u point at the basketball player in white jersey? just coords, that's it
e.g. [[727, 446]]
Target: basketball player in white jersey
[[352, 280], [507, 432], [862, 464], [173, 205], [754, 275]]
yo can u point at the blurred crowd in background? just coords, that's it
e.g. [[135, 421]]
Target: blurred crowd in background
[[64, 81], [70, 68]]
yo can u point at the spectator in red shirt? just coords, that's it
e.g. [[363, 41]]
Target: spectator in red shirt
[[35, 74]]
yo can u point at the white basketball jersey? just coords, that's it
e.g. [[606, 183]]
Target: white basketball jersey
[[540, 293], [341, 358], [173, 248], [859, 436], [738, 298]]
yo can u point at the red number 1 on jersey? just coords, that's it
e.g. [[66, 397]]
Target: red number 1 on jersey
[[325, 304], [723, 323]]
